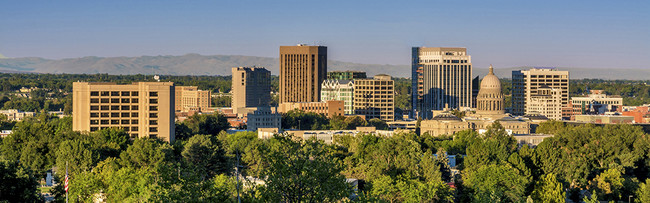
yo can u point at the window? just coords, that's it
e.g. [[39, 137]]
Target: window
[[125, 115], [94, 100], [153, 94], [94, 93], [126, 93], [134, 135], [104, 122], [134, 93], [134, 107], [153, 108], [134, 100], [105, 100], [153, 115], [153, 129], [115, 122], [134, 114], [134, 128], [105, 108], [115, 100], [153, 122], [153, 101], [125, 121], [105, 93], [105, 115], [94, 122], [126, 107], [115, 93], [115, 108], [94, 115], [93, 129], [94, 107], [125, 100], [115, 115]]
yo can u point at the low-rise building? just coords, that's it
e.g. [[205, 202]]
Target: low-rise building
[[264, 117], [16, 115], [597, 102], [190, 98], [604, 119], [328, 108], [641, 114], [448, 124], [532, 140]]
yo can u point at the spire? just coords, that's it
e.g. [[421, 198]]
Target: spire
[[491, 70]]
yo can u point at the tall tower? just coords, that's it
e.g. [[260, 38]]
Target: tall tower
[[440, 76], [302, 71], [251, 87]]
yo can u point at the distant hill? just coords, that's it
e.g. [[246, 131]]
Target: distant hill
[[195, 64]]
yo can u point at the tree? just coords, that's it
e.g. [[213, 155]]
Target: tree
[[146, 152], [205, 154], [303, 171], [609, 184], [207, 124], [355, 121], [548, 189], [378, 123], [338, 123], [17, 183], [77, 154], [496, 183], [643, 193]]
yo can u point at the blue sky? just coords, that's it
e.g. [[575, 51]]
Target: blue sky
[[597, 34]]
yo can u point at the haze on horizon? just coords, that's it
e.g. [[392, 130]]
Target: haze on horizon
[[597, 34]]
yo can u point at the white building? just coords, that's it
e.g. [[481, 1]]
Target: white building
[[339, 90]]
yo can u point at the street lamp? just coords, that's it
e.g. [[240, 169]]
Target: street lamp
[[629, 199]]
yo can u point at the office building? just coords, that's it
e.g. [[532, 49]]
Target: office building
[[251, 87], [546, 101], [345, 75], [339, 90], [264, 117], [597, 102], [190, 98], [440, 77], [327, 108], [142, 109], [302, 71], [528, 82], [375, 98]]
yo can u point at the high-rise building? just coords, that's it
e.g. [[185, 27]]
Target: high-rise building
[[190, 98], [251, 87], [441, 77], [142, 109], [339, 90], [345, 75], [375, 98], [302, 71], [526, 83], [546, 101]]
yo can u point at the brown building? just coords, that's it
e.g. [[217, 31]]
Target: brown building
[[143, 109], [302, 71], [641, 114], [190, 98], [375, 98], [328, 108], [251, 87]]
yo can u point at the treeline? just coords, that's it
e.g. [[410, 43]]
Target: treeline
[[582, 163]]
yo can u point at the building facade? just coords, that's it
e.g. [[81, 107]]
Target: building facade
[[191, 98], [302, 71], [375, 98], [440, 76], [263, 117], [339, 90], [251, 87], [345, 75], [448, 124], [546, 101], [489, 100], [142, 109], [597, 102], [327, 108], [526, 83]]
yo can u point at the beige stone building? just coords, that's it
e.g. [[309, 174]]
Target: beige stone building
[[526, 83], [441, 76], [327, 108], [190, 98], [251, 87], [302, 71], [546, 101], [597, 102], [264, 117], [142, 109], [375, 98], [489, 101]]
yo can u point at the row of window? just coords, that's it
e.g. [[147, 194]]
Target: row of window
[[122, 115], [120, 93], [125, 128], [114, 108], [118, 100], [118, 122]]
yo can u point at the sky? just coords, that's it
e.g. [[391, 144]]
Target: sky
[[592, 34]]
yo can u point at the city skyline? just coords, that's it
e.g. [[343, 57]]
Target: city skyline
[[506, 33]]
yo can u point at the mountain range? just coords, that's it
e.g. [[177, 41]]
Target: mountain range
[[195, 64]]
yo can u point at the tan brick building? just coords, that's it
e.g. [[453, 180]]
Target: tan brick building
[[191, 98], [526, 83], [251, 87], [142, 109], [327, 108], [375, 98], [302, 71]]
